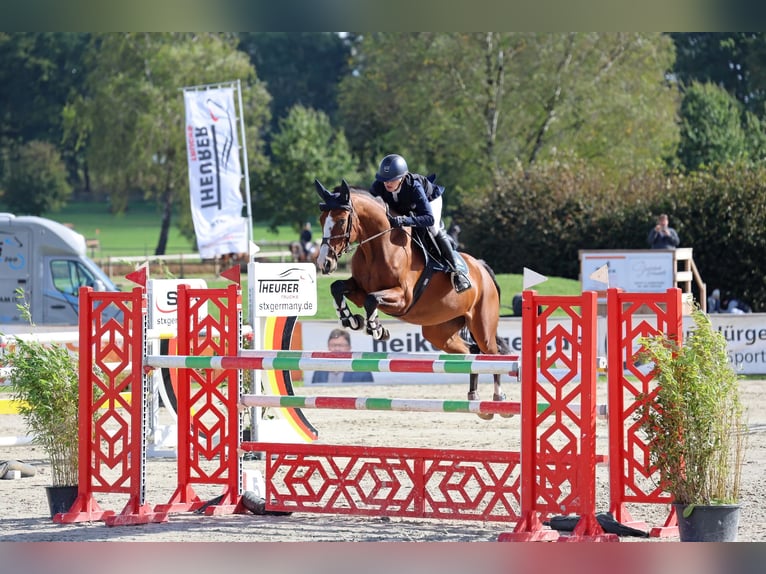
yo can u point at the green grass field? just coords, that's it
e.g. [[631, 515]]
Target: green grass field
[[136, 232]]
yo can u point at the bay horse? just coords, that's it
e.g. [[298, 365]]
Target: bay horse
[[387, 268]]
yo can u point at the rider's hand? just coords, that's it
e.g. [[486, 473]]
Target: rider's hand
[[397, 221]]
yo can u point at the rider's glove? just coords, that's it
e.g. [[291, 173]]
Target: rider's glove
[[397, 221]]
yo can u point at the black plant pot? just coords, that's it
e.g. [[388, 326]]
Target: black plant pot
[[60, 498], [713, 523]]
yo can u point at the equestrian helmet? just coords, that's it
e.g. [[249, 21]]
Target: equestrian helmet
[[391, 167]]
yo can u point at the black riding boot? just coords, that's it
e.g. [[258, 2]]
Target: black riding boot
[[459, 279]]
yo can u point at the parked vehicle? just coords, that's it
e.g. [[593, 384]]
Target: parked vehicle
[[46, 261]]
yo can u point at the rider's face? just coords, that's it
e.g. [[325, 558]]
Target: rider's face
[[393, 185]]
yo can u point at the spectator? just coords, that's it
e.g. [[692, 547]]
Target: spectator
[[340, 341], [454, 232], [306, 241], [714, 302], [731, 304], [662, 236]]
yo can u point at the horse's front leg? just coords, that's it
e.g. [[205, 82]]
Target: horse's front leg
[[394, 302], [339, 289], [374, 326]]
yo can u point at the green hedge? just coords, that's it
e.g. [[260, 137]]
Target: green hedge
[[542, 217]]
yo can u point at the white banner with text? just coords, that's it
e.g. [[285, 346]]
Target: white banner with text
[[215, 172], [745, 334]]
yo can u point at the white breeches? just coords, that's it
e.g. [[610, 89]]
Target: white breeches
[[436, 207]]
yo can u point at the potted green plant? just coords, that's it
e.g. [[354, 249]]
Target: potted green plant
[[696, 429], [44, 383]]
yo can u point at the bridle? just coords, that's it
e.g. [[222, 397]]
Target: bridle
[[346, 236]]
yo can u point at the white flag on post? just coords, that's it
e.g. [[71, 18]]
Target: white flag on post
[[601, 274], [531, 278], [214, 172]]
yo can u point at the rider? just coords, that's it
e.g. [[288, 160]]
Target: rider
[[416, 195], [306, 243]]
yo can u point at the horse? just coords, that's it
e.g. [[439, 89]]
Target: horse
[[300, 256], [390, 273]]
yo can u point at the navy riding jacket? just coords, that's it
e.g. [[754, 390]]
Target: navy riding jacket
[[412, 199]]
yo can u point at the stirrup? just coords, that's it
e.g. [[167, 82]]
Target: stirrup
[[460, 282]]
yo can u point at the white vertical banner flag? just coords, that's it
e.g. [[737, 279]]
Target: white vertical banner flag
[[215, 172]]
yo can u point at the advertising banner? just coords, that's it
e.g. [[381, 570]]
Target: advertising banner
[[634, 272], [282, 289], [744, 333], [215, 172], [405, 338]]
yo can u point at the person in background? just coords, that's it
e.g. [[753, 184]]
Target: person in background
[[730, 304], [306, 243], [340, 341], [714, 302], [662, 236], [454, 233], [419, 201]]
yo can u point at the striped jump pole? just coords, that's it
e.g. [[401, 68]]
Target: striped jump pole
[[374, 355], [503, 408], [379, 362]]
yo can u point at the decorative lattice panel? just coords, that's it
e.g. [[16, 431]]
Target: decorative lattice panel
[[383, 481], [631, 316], [209, 422]]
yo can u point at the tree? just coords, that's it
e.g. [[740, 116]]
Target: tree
[[730, 60], [305, 148], [130, 118], [38, 72], [36, 180], [474, 106], [301, 68], [711, 127], [733, 62]]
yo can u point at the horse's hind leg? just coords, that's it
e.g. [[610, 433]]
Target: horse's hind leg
[[473, 394], [488, 344], [347, 319], [446, 337]]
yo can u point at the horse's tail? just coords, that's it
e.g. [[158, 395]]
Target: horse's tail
[[502, 346], [491, 274]]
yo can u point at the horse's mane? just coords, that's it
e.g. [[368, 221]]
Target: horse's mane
[[364, 192]]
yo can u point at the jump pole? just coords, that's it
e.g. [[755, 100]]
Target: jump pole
[[503, 408], [256, 360]]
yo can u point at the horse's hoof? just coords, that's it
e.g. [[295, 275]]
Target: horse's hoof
[[474, 396], [385, 335], [356, 322], [501, 397], [376, 333]]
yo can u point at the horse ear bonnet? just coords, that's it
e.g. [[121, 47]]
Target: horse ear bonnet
[[331, 200], [334, 202]]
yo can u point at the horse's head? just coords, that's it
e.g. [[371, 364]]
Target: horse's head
[[337, 211], [349, 215]]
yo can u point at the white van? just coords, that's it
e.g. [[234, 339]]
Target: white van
[[48, 261]]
